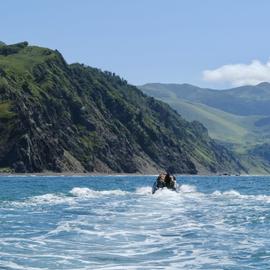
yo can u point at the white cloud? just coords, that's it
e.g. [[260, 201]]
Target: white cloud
[[240, 74]]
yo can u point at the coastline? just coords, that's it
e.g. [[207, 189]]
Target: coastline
[[92, 174]]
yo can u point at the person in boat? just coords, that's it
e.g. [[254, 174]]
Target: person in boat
[[170, 181], [161, 181]]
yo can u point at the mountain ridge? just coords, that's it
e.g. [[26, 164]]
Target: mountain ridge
[[238, 117], [244, 100], [60, 117]]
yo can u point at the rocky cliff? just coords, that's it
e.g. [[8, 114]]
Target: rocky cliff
[[59, 117]]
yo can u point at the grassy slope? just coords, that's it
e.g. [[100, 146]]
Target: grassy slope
[[224, 126], [238, 131], [245, 100]]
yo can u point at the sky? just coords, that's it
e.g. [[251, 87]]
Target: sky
[[209, 43]]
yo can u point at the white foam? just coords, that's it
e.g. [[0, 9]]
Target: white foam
[[217, 193], [237, 195], [188, 189], [12, 265], [144, 190], [46, 199], [50, 199], [77, 193], [168, 230], [62, 227], [229, 193], [183, 190], [232, 193], [90, 193]]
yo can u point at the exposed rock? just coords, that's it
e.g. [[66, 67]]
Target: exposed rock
[[59, 117]]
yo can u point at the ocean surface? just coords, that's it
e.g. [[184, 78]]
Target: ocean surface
[[114, 222]]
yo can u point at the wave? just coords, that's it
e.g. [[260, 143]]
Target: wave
[[50, 198], [188, 189], [182, 189], [144, 190], [76, 194], [87, 192], [72, 197], [235, 194], [46, 199], [15, 266]]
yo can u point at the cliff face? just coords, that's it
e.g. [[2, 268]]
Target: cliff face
[[60, 117]]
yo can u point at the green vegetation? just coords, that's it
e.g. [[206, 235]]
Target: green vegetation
[[239, 118], [5, 111], [6, 170], [243, 101], [60, 117]]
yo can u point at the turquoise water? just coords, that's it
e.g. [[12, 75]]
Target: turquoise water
[[114, 222]]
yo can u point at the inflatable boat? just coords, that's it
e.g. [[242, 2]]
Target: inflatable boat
[[165, 181]]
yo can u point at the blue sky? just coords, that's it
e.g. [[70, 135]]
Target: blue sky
[[148, 40]]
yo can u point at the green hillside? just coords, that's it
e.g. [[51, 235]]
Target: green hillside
[[221, 125], [60, 117], [241, 131], [245, 100], [193, 104]]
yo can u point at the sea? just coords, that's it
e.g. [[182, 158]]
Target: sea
[[114, 222]]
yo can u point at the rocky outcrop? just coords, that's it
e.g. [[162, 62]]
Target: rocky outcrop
[[59, 117]]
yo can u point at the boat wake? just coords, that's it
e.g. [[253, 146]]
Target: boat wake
[[184, 192], [87, 228]]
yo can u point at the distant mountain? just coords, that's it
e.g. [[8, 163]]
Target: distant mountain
[[244, 100], [238, 117], [60, 117]]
